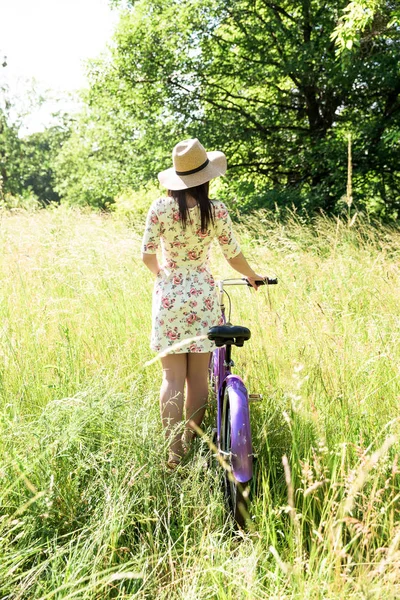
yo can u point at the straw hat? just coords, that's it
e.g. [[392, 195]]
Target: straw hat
[[192, 166]]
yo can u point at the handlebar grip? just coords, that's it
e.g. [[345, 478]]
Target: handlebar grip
[[266, 281]]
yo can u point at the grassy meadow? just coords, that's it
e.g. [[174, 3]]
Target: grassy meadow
[[87, 509]]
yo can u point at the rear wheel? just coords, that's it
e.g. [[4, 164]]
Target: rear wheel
[[236, 493]]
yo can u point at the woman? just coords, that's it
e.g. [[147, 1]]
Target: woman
[[185, 303]]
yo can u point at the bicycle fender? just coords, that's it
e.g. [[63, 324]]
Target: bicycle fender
[[241, 446]]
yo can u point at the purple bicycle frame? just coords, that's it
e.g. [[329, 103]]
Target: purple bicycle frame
[[241, 445]]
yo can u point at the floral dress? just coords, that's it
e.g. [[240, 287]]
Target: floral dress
[[185, 302]]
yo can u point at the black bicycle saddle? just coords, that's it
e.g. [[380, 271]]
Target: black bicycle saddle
[[231, 335]]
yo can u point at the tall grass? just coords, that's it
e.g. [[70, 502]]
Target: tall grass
[[87, 509]]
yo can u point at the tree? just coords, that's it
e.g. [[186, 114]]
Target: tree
[[10, 147], [93, 164], [261, 80], [40, 151], [27, 162]]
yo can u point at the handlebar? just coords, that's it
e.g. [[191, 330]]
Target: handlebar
[[244, 281]]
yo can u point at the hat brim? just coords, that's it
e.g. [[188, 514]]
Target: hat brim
[[215, 168]]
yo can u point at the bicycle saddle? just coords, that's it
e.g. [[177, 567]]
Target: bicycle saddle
[[229, 334]]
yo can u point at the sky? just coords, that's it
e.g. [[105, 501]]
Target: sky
[[49, 41]]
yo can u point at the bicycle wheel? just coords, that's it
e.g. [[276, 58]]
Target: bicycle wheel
[[235, 492]]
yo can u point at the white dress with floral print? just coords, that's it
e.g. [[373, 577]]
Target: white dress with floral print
[[185, 303]]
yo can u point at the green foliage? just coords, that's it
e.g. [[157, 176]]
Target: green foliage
[[362, 20], [134, 205], [40, 152], [87, 173], [26, 201], [10, 150], [277, 86], [357, 16], [261, 81], [27, 163]]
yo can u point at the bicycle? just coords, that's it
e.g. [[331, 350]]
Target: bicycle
[[232, 433]]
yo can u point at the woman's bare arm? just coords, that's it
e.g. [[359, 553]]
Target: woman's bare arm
[[151, 262], [240, 264]]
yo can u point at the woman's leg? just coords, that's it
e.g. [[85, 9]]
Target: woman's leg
[[196, 391], [174, 368]]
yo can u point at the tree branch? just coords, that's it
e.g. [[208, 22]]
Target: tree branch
[[278, 10]]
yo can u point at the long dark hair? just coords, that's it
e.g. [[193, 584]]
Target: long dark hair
[[200, 194]]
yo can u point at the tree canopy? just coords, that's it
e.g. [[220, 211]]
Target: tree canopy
[[27, 163], [279, 86], [10, 148]]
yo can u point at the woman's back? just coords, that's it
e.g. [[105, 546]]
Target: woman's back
[[188, 246]]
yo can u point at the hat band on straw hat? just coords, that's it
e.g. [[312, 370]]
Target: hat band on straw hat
[[192, 171]]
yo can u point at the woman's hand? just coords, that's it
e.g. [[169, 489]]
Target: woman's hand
[[252, 280]]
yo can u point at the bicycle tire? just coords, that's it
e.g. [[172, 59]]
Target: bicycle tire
[[235, 492]]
